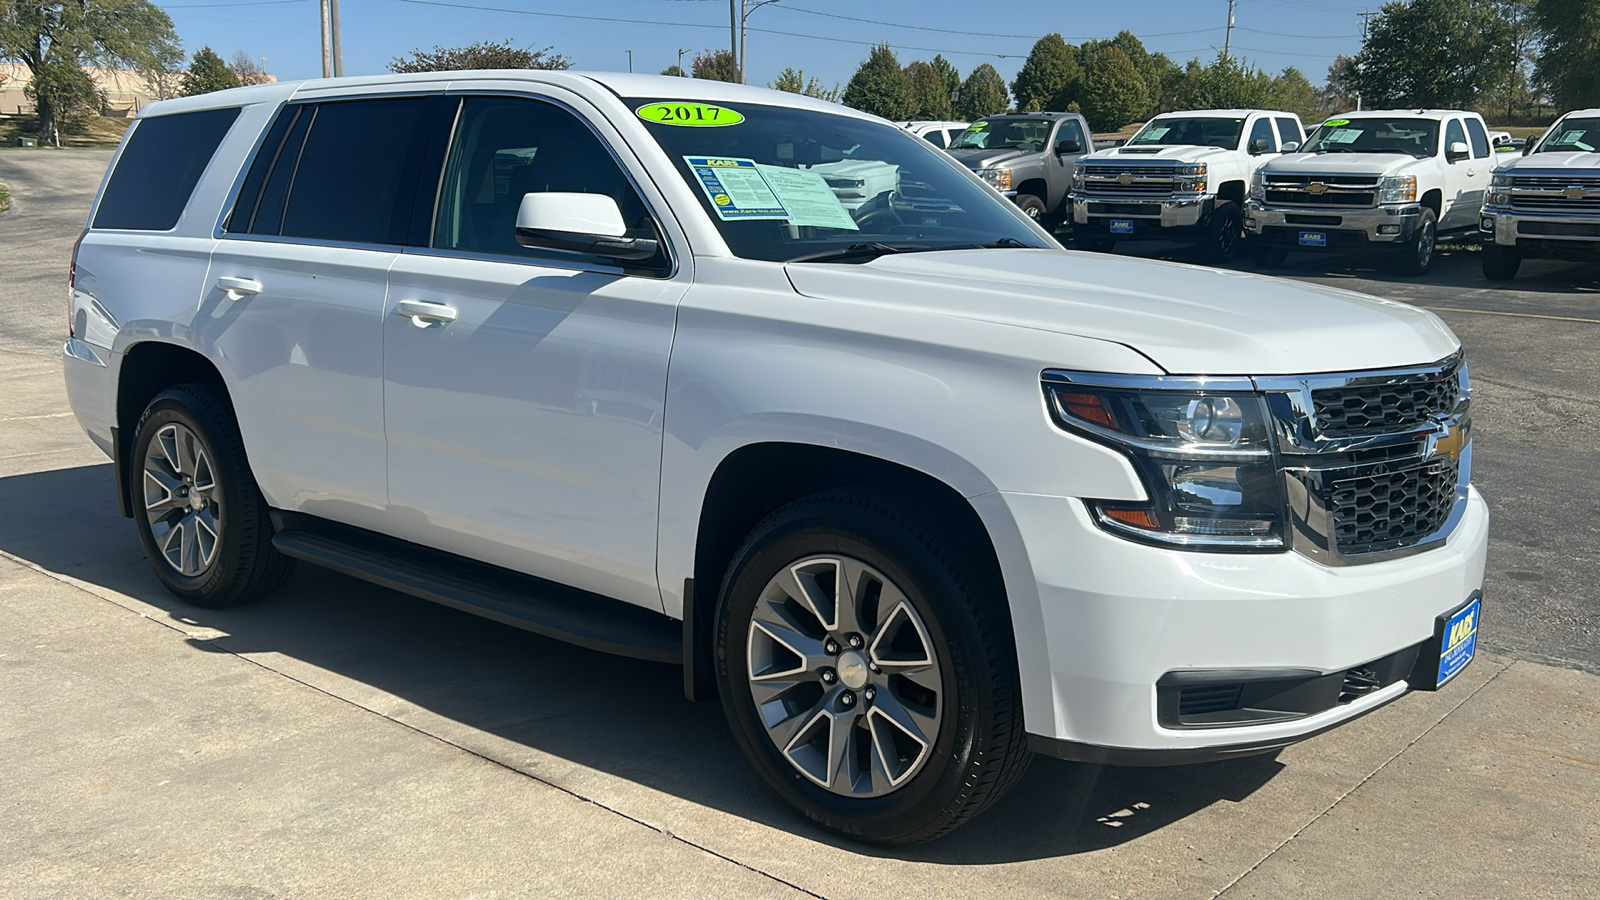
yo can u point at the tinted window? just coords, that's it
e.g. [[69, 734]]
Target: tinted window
[[274, 163], [1417, 137], [1453, 134], [1262, 131], [1289, 130], [159, 168], [357, 172], [1196, 132], [1070, 132], [505, 148], [935, 137], [1480, 139]]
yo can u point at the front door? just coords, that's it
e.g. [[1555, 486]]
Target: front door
[[524, 389], [1464, 181]]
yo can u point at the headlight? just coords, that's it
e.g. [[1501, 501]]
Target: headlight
[[1077, 176], [1190, 178], [999, 178], [1397, 189], [1258, 190], [1499, 190], [1205, 457]]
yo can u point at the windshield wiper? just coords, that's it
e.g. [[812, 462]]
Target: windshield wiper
[[865, 252], [1007, 242]]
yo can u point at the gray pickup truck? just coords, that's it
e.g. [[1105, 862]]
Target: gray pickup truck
[[1029, 157]]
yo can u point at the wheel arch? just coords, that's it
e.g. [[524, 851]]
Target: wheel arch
[[1434, 200], [1037, 187], [147, 369], [1232, 190]]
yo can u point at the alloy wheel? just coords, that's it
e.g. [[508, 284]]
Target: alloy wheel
[[844, 676], [182, 500]]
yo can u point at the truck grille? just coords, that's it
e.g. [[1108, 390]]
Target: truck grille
[[1555, 193], [1389, 510], [1359, 411], [1321, 190], [1117, 180]]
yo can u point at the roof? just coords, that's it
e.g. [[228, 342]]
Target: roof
[[1586, 113], [938, 123], [1224, 112], [622, 84], [1415, 113]]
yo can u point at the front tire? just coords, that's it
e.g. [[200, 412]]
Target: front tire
[[1224, 233], [1033, 207], [201, 519], [1418, 253], [1501, 263], [867, 669]]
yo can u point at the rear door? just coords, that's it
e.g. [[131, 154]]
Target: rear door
[[1460, 180], [524, 415], [296, 296], [1482, 168]]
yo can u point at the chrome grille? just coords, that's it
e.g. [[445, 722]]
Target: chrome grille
[[1334, 190], [1388, 510], [1556, 182], [1142, 180], [1360, 410]]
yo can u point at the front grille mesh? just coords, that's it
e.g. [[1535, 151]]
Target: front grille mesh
[[1389, 510], [1384, 409]]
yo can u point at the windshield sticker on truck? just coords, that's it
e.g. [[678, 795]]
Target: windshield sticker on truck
[[1335, 123], [736, 188], [807, 198], [1343, 136], [1153, 135], [689, 115]]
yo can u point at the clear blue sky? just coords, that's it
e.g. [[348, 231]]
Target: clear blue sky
[[1269, 33]]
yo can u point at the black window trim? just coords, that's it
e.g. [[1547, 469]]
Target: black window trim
[[427, 249], [111, 170]]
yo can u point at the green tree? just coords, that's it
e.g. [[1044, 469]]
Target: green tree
[[1050, 78], [207, 73], [675, 70], [794, 81], [1293, 92], [949, 73], [72, 95], [715, 65], [1570, 63], [482, 55], [1226, 84], [1168, 82], [1114, 94], [1446, 53], [1339, 93], [881, 87], [982, 94], [928, 93], [54, 37]]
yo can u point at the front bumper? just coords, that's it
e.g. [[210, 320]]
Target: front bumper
[[1555, 233], [1147, 214], [1381, 227], [1114, 618]]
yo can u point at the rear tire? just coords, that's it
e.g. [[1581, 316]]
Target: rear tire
[[201, 518], [1224, 234], [1418, 253], [936, 652], [1501, 263]]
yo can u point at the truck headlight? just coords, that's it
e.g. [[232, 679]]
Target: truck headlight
[[999, 178], [1077, 176], [1397, 189], [1499, 190], [1258, 190], [1205, 457], [1190, 178]]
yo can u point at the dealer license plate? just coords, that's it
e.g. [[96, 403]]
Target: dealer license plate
[[1458, 641], [1313, 239], [1122, 226]]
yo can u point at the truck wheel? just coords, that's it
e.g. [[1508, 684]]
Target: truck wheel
[[200, 516], [1224, 233], [1417, 255], [1033, 206], [1092, 243], [1500, 263], [1266, 257], [867, 669]]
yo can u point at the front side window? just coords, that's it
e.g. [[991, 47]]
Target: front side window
[[1413, 137], [1570, 135], [1071, 132], [1207, 131], [1453, 134], [160, 167], [1262, 131], [507, 147], [785, 184], [1027, 135]]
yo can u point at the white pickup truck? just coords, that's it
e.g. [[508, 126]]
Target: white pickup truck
[[1183, 177], [1389, 181], [1546, 203]]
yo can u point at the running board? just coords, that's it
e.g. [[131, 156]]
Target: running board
[[543, 607]]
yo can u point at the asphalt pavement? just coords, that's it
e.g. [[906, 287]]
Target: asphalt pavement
[[343, 740]]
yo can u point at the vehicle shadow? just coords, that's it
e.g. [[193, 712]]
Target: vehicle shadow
[[624, 717]]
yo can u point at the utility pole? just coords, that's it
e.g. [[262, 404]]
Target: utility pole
[[1366, 19], [322, 27], [338, 45], [733, 35], [1227, 40], [630, 62], [680, 62], [744, 23]]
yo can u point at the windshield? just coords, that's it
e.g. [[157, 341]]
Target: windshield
[[1414, 137], [1028, 135], [1198, 132], [1572, 134], [785, 184]]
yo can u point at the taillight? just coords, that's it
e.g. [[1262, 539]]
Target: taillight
[[72, 279]]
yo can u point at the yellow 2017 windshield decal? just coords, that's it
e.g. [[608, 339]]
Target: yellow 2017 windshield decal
[[691, 115]]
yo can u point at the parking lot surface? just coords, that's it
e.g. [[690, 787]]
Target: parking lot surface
[[344, 740]]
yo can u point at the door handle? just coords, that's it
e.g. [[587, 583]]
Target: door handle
[[238, 288], [424, 314]]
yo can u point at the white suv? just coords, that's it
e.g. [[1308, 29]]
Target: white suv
[[916, 492]]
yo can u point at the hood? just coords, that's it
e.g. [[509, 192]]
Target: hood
[[1178, 153], [1343, 163], [982, 159], [1187, 319], [1575, 162]]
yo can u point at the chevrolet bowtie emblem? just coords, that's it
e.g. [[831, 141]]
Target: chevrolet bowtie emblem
[[1574, 193], [1316, 187], [1125, 178], [1448, 444]]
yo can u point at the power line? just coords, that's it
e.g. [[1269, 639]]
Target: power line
[[1026, 37]]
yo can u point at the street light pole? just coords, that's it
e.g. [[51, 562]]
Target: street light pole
[[322, 28], [338, 45], [733, 35]]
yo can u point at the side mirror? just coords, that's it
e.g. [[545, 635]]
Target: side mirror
[[1259, 146], [1457, 150], [1527, 146], [579, 223], [1069, 146], [1290, 147]]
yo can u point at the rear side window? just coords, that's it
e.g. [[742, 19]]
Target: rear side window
[[1289, 131], [159, 168], [935, 137], [1480, 139]]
